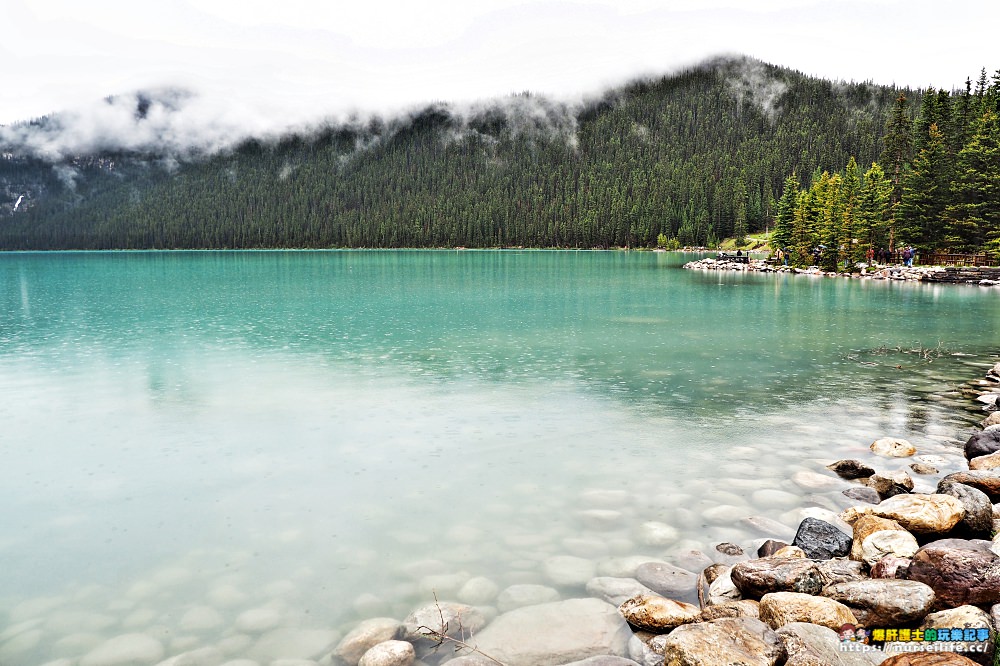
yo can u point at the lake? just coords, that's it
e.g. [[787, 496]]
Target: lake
[[190, 438]]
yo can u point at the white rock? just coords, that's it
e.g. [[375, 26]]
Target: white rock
[[812, 480], [624, 567], [20, 644], [888, 542], [389, 653], [568, 571], [365, 636], [893, 447], [200, 618], [653, 533], [258, 620], [600, 519], [778, 499], [125, 650], [234, 645], [518, 596], [75, 644], [605, 499], [478, 591], [241, 662]]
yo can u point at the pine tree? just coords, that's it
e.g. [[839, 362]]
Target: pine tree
[[974, 217], [874, 202], [926, 194], [785, 214]]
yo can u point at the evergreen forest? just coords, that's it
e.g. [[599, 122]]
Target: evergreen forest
[[725, 149]]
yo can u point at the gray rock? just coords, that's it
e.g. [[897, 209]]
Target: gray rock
[[890, 484], [978, 520], [884, 602], [982, 444], [728, 553], [615, 591], [450, 618], [812, 645], [820, 540], [556, 633], [603, 660], [863, 494], [840, 571], [988, 481], [851, 469], [724, 642], [365, 636], [389, 653], [668, 580], [756, 578], [518, 596], [770, 547], [722, 589]]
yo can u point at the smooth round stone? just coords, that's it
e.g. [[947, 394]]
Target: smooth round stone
[[657, 534], [240, 662], [776, 499], [768, 527], [139, 618], [519, 596], [813, 480], [624, 567], [141, 590], [200, 618], [171, 576], [125, 650], [478, 591], [600, 519], [206, 656], [294, 662], [590, 547], [18, 645], [724, 514], [389, 653], [234, 645], [445, 585], [226, 596], [464, 534], [369, 604], [893, 447], [33, 608], [605, 499], [279, 588], [64, 622], [257, 620], [19, 628], [615, 591], [568, 571], [73, 645], [184, 643], [288, 643], [60, 662]]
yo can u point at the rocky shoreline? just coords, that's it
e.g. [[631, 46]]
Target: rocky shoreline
[[985, 277], [917, 573]]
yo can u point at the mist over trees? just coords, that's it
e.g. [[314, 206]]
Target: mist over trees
[[686, 159]]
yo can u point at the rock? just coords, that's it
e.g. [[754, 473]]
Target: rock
[[478, 591], [555, 633], [656, 534], [125, 650], [640, 651], [615, 591], [745, 641], [863, 494], [987, 462], [730, 550], [851, 469], [896, 543], [365, 636], [812, 645], [600, 519], [657, 614], [452, 618], [960, 572], [820, 540], [568, 571], [291, 643], [991, 420], [741, 608], [623, 567], [923, 468], [928, 659], [883, 603], [602, 660], [258, 620], [790, 551], [984, 480], [207, 656], [889, 566], [840, 571], [920, 514], [692, 560], [779, 608], [389, 653], [722, 589], [756, 578], [890, 484], [812, 480], [982, 444], [978, 520], [893, 447], [668, 580], [518, 596], [866, 525], [966, 617], [770, 547], [200, 618], [713, 571]]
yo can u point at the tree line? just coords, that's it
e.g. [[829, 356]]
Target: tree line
[[935, 187]]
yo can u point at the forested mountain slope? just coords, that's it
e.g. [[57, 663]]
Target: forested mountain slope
[[695, 156]]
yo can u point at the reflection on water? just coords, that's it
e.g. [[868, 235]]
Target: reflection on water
[[195, 440]]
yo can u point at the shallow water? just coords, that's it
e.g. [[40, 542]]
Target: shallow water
[[330, 436]]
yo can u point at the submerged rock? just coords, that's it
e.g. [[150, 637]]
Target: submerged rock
[[125, 650], [893, 447], [863, 494], [525, 594], [779, 608], [615, 591], [820, 540], [668, 580], [884, 603], [446, 617], [890, 484], [745, 641]]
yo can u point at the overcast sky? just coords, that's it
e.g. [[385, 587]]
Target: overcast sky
[[288, 61]]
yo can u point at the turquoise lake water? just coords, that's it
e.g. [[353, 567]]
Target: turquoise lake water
[[337, 435]]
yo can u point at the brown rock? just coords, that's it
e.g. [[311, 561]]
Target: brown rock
[[790, 551], [741, 608], [960, 572], [889, 484], [965, 617], [920, 514], [389, 653], [928, 659], [840, 571], [724, 642], [756, 578], [992, 419], [770, 547], [883, 603], [889, 566], [923, 468], [869, 524], [779, 608], [987, 462], [364, 636], [984, 480], [851, 469], [978, 520], [657, 614], [813, 645]]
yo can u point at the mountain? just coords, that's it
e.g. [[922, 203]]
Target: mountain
[[688, 156]]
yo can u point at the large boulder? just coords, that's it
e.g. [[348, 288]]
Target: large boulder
[[960, 572], [978, 520], [657, 614], [820, 540], [985, 480], [724, 642], [920, 514], [893, 447], [779, 608], [883, 603], [888, 543], [851, 469], [982, 444], [812, 645], [928, 659], [525, 594], [756, 578], [966, 617], [555, 633]]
